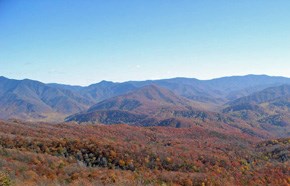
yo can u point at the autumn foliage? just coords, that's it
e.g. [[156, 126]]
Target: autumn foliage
[[69, 154]]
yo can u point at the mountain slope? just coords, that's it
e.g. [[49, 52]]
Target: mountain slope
[[148, 99], [209, 95], [27, 99], [155, 106], [99, 91], [212, 93], [269, 108], [267, 95], [69, 154], [147, 103]]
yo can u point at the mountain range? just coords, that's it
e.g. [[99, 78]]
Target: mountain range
[[269, 108], [256, 104], [148, 105]]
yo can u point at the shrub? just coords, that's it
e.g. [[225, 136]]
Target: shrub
[[4, 179]]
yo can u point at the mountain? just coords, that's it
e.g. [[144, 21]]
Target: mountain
[[33, 100], [156, 106], [220, 88], [28, 99], [147, 99], [269, 108], [144, 103], [98, 91], [148, 105], [106, 89], [235, 83], [212, 93], [267, 95]]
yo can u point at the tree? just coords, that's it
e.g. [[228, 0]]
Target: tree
[[4, 179]]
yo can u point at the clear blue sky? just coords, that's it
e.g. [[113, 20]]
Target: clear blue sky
[[86, 41]]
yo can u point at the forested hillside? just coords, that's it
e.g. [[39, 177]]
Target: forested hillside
[[69, 154]]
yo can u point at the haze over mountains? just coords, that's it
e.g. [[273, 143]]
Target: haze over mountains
[[29, 100], [182, 131], [257, 101], [144, 106], [267, 108]]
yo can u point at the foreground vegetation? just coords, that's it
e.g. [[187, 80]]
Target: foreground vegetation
[[69, 154]]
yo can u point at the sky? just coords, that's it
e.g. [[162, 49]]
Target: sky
[[81, 42]]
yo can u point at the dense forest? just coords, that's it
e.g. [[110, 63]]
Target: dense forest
[[69, 154]]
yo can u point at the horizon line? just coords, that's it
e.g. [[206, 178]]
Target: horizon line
[[169, 78]]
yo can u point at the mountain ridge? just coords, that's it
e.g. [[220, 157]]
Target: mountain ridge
[[146, 102], [155, 106], [268, 108], [202, 101], [28, 99]]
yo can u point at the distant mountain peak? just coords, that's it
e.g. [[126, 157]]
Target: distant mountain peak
[[105, 82], [147, 96], [28, 99], [266, 95]]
